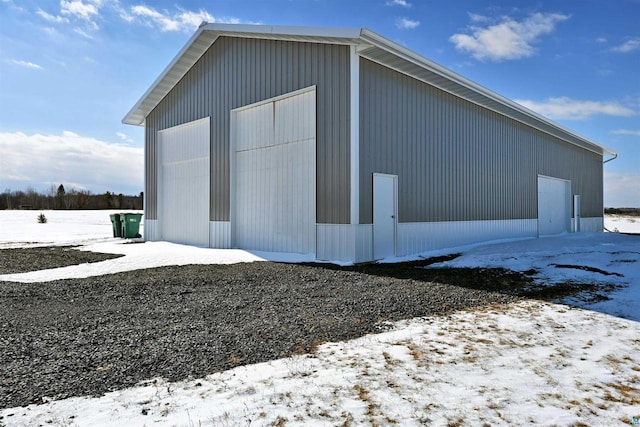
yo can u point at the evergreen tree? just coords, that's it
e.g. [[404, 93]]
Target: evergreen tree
[[60, 197]]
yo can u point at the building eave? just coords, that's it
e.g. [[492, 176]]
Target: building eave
[[369, 45]]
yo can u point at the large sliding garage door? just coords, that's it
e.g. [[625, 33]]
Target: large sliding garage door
[[554, 206], [183, 183], [274, 175]]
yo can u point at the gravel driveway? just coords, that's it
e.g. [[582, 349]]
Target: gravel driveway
[[89, 336], [42, 258]]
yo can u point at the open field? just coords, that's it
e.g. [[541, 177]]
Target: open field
[[622, 223], [466, 340]]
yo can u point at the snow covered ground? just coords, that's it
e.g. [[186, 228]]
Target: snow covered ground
[[527, 363], [20, 229], [622, 223]]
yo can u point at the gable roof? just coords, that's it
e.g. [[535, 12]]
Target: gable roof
[[371, 46]]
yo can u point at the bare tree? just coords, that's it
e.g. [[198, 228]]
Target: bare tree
[[82, 198], [7, 193]]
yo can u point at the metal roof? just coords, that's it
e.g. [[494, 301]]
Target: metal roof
[[371, 46]]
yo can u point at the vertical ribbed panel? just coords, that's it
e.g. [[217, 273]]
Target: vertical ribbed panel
[[235, 72], [591, 224], [254, 128], [274, 175], [345, 242], [456, 160], [220, 234], [183, 199], [416, 237], [150, 232]]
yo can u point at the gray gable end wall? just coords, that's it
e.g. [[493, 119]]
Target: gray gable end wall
[[239, 71]]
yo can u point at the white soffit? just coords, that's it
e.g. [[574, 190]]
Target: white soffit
[[371, 46]]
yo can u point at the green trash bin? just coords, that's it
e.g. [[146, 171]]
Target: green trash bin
[[116, 225], [130, 224]]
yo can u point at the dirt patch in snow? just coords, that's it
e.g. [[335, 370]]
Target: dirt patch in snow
[[42, 258]]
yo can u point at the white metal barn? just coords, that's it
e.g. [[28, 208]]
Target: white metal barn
[[345, 145]]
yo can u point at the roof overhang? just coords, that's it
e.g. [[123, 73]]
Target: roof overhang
[[371, 46]]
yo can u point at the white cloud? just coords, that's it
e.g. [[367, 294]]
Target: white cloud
[[508, 39], [571, 109], [626, 132], [25, 64], [13, 6], [628, 46], [83, 33], [601, 40], [39, 160], [127, 17], [52, 18], [407, 24], [402, 3], [122, 12], [479, 18], [50, 30], [123, 136], [191, 19], [79, 9], [184, 20], [165, 23], [621, 189]]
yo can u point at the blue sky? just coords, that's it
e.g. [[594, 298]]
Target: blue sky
[[70, 71]]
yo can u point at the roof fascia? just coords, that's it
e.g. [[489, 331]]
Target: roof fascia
[[261, 30]]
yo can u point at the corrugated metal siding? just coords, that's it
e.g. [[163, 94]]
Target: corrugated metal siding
[[471, 92], [345, 242], [235, 72], [455, 160], [183, 199], [274, 175], [591, 224], [220, 234], [415, 237]]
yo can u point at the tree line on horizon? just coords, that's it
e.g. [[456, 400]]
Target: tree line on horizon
[[60, 198]]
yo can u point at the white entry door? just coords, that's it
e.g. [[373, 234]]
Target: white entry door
[[385, 215], [554, 206]]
